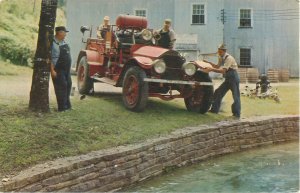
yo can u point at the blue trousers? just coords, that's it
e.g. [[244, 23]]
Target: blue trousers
[[62, 86], [231, 82]]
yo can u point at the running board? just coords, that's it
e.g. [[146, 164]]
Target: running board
[[178, 82], [105, 80]]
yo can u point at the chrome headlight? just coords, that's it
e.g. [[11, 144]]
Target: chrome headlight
[[189, 68], [159, 66], [147, 34]]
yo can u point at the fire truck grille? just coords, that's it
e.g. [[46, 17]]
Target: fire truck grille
[[174, 68]]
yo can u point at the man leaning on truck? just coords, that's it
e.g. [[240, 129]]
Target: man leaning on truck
[[227, 66]]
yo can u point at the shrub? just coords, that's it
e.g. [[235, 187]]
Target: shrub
[[19, 21], [14, 51]]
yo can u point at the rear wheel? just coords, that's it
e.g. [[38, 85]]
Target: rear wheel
[[135, 90], [84, 82], [201, 99]]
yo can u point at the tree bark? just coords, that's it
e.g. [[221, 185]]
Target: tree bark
[[39, 94]]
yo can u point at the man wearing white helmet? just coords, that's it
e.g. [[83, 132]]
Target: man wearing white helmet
[[103, 28], [227, 66]]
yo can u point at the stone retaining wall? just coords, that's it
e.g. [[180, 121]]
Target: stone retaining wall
[[113, 169]]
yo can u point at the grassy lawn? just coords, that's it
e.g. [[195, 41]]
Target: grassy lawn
[[288, 93], [8, 69], [101, 121], [97, 122]]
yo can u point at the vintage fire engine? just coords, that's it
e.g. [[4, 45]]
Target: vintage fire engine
[[128, 57]]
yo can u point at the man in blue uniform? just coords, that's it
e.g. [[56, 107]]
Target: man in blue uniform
[[60, 69], [227, 66]]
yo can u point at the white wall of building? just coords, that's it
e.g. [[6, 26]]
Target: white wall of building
[[273, 38]]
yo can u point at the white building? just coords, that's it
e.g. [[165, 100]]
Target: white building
[[258, 33], [263, 33]]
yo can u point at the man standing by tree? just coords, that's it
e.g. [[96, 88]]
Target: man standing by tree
[[60, 69], [39, 94]]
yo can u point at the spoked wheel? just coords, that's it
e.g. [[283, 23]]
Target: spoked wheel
[[132, 90], [135, 90], [201, 99], [84, 82]]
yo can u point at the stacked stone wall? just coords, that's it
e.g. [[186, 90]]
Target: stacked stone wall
[[116, 168]]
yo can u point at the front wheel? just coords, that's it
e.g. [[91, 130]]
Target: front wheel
[[84, 82], [135, 90], [201, 99]]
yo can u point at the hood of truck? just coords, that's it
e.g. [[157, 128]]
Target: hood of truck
[[152, 52]]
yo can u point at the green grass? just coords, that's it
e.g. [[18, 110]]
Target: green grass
[[96, 123], [101, 121], [9, 69], [288, 93], [20, 19]]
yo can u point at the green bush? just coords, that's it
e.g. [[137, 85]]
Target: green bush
[[14, 51], [19, 21]]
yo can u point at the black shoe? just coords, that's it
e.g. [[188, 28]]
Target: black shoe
[[211, 111], [236, 116], [82, 97]]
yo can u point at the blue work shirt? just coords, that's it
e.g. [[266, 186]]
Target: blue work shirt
[[55, 50]]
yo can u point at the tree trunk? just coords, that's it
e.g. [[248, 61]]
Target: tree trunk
[[39, 94]]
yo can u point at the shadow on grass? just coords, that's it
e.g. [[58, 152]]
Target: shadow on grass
[[153, 104]]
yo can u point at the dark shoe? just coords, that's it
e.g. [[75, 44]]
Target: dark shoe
[[82, 97], [236, 116], [211, 111]]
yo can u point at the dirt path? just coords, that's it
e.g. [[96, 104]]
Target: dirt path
[[19, 86]]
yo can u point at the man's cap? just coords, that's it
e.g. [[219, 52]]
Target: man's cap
[[106, 18], [61, 28], [222, 47], [168, 21]]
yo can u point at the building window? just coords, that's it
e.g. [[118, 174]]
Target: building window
[[141, 13], [245, 18], [198, 15], [245, 57]]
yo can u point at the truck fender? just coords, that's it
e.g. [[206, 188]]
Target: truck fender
[[92, 57], [144, 62], [94, 60]]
